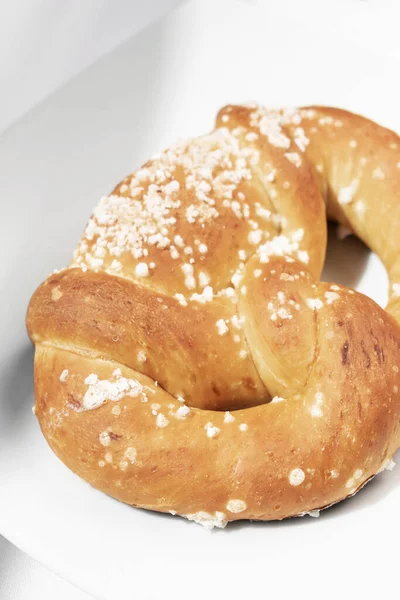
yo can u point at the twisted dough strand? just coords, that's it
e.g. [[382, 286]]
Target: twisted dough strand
[[193, 300]]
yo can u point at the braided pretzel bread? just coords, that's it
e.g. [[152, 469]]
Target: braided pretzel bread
[[190, 361]]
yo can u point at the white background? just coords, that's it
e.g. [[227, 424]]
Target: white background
[[43, 44]]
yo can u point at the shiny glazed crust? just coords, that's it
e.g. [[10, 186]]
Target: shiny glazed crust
[[189, 359]]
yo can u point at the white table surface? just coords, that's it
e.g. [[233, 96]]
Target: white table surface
[[371, 24], [22, 578]]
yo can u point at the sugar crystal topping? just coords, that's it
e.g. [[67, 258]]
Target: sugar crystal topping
[[296, 477], [101, 390], [64, 376], [144, 222], [236, 506], [208, 520], [143, 215]]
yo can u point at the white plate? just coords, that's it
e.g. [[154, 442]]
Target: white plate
[[55, 164]]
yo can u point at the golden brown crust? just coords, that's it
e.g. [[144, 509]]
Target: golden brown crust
[[110, 317], [359, 169], [194, 291]]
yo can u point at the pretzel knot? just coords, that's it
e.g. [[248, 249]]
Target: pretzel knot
[[189, 359]]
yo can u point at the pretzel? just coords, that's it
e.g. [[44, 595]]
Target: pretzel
[[189, 360]]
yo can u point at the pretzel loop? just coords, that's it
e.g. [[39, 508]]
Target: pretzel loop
[[189, 359]]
